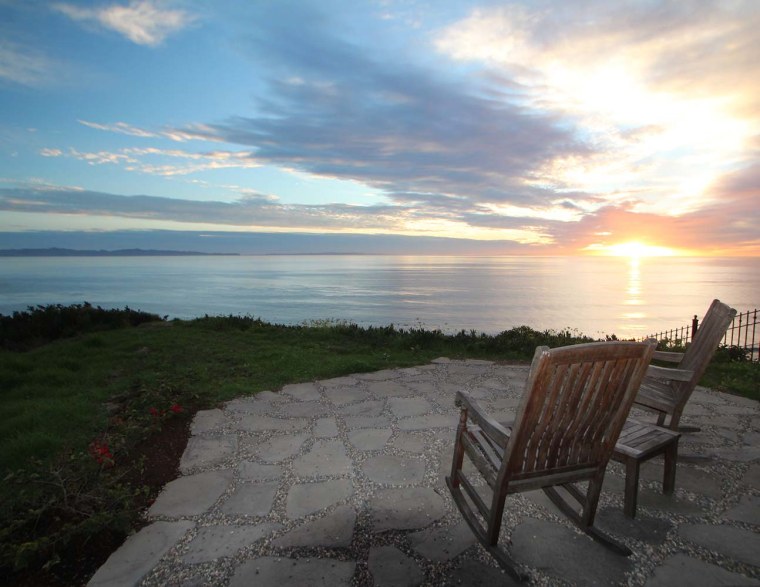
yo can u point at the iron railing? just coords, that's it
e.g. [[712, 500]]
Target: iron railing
[[743, 334]]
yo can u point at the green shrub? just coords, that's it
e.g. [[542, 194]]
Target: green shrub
[[43, 324]]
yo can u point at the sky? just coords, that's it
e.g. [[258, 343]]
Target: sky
[[537, 127]]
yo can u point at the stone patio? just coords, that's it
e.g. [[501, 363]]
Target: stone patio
[[340, 482]]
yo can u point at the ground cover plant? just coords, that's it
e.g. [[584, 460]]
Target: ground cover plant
[[94, 415]]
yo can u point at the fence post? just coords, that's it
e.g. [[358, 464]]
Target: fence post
[[694, 327]]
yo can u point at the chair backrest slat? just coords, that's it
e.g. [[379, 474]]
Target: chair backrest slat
[[712, 329], [574, 406]]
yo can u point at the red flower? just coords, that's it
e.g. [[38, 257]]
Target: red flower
[[153, 412], [101, 453], [176, 408]]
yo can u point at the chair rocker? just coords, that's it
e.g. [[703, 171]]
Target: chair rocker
[[568, 421], [666, 390]]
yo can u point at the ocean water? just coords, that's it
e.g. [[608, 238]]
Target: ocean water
[[593, 295]]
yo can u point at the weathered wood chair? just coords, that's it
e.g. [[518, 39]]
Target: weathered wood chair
[[568, 421], [666, 390]]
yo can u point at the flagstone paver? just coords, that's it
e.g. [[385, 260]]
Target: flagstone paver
[[327, 457], [302, 391], [307, 498], [737, 543], [367, 422], [403, 407], [369, 438], [566, 554], [280, 447], [333, 531], [368, 408], [428, 421], [341, 482], [220, 540], [443, 543], [251, 499], [207, 421], [283, 572], [201, 451], [258, 422], [191, 495], [394, 470], [406, 509], [681, 569], [747, 510], [139, 554], [341, 396], [476, 574], [392, 568], [410, 442], [251, 471], [304, 409], [326, 428]]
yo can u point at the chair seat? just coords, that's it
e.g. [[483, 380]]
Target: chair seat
[[639, 442]]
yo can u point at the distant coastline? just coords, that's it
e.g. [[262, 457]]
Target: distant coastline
[[58, 252]]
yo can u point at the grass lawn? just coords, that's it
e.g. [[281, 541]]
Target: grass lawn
[[74, 412]]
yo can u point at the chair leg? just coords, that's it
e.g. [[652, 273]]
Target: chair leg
[[631, 487], [458, 458], [497, 511], [669, 474]]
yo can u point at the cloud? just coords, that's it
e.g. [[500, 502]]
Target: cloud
[[141, 21], [24, 65], [121, 128], [155, 161], [51, 152], [669, 95], [727, 227], [194, 132], [261, 211], [333, 109]]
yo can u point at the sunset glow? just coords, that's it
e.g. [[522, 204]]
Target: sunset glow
[[633, 249]]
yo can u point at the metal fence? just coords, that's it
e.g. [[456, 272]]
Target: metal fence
[[743, 334]]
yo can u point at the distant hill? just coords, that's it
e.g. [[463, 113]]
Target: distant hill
[[57, 252]]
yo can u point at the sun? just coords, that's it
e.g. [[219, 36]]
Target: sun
[[636, 250]]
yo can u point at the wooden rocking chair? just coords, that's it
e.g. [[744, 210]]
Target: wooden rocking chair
[[666, 390], [568, 421]]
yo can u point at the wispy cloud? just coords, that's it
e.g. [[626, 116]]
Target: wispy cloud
[[24, 65], [143, 22], [121, 128], [153, 160], [194, 132]]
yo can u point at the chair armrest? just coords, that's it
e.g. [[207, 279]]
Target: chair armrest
[[490, 427], [668, 356], [669, 373]]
